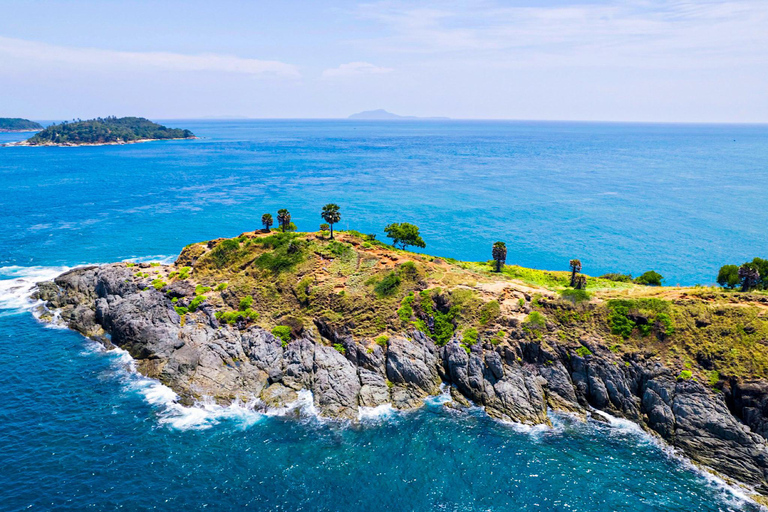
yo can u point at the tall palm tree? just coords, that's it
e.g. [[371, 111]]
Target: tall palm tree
[[575, 269], [499, 254], [283, 218], [266, 221], [331, 215]]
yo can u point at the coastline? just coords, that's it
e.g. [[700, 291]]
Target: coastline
[[200, 356], [25, 143]]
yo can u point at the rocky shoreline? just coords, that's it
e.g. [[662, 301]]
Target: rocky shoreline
[[26, 143], [518, 380]]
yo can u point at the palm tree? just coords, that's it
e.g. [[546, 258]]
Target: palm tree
[[331, 215], [266, 221], [575, 269], [283, 218], [499, 254]]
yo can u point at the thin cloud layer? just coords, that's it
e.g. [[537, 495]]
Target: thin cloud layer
[[355, 68], [31, 52]]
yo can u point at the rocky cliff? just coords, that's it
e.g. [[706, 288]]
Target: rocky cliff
[[213, 341]]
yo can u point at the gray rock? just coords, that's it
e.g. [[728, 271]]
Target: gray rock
[[336, 386]]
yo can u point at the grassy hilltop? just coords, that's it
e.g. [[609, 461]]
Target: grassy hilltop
[[288, 282]]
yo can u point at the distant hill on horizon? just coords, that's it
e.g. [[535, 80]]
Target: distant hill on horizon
[[383, 115], [17, 124]]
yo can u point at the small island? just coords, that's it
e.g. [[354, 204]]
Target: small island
[[17, 124], [102, 131]]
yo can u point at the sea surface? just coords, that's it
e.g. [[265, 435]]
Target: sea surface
[[80, 430]]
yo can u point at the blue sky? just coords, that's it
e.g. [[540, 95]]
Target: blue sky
[[636, 60]]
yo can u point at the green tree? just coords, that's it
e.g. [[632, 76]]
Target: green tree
[[404, 234], [575, 269], [728, 277], [324, 228], [650, 278], [331, 215], [749, 275], [283, 218], [499, 253], [266, 221]]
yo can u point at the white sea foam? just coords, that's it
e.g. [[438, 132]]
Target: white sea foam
[[376, 414], [735, 494], [204, 414], [18, 283], [303, 407]]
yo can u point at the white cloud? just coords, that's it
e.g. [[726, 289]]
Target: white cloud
[[30, 52], [355, 68], [641, 33]]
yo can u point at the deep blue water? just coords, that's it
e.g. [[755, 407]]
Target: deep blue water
[[79, 431]]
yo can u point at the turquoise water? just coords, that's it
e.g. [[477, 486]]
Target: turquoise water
[[79, 430]]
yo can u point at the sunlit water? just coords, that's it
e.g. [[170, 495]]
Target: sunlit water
[[79, 429]]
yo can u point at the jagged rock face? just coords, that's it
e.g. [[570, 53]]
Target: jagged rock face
[[515, 381]]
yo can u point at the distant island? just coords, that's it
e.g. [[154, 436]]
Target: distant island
[[107, 130], [17, 124], [383, 115]]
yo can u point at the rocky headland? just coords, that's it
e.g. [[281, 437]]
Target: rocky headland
[[361, 324]]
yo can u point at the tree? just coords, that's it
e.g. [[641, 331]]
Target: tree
[[266, 221], [580, 282], [575, 269], [283, 218], [749, 275], [331, 215], [650, 278], [728, 277], [404, 234], [323, 228], [499, 254]]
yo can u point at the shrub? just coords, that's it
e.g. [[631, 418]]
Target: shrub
[[489, 312], [666, 324], [224, 251], [498, 338], [181, 310], [714, 377], [685, 375], [387, 286], [574, 295], [583, 351], [619, 278], [196, 302], [536, 320], [620, 324], [245, 303], [283, 332], [184, 272], [409, 271], [650, 278], [158, 284], [154, 264], [405, 312], [130, 264], [222, 286], [200, 289], [470, 336], [340, 348], [382, 340]]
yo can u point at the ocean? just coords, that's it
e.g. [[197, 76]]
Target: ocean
[[79, 429]]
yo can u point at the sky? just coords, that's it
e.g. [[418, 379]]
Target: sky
[[633, 60]]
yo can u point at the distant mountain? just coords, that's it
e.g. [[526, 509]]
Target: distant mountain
[[16, 124], [383, 115]]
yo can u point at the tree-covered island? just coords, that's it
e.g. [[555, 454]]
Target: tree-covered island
[[17, 124], [107, 130]]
